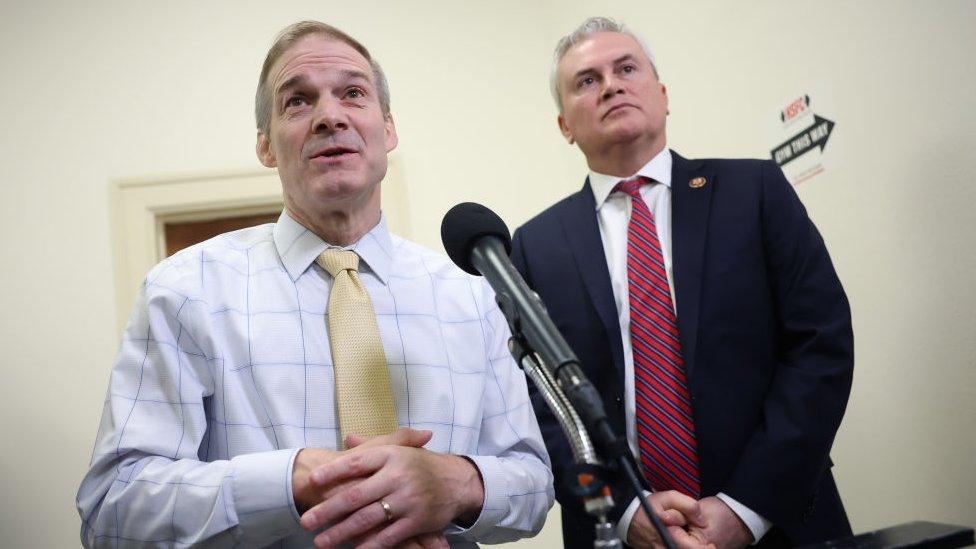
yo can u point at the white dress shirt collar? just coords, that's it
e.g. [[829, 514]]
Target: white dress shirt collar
[[298, 247], [658, 169]]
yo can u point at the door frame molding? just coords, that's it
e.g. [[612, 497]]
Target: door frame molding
[[140, 207]]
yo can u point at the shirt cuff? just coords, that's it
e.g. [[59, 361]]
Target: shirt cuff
[[623, 525], [495, 506], [756, 523], [263, 496]]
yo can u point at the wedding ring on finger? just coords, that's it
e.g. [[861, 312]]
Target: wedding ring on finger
[[387, 509]]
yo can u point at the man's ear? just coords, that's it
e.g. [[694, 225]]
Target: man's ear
[[564, 129], [390, 137], [265, 151]]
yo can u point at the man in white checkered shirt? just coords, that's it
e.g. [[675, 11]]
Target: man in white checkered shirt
[[220, 425]]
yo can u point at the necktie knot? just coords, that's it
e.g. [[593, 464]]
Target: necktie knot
[[336, 260], [631, 186]]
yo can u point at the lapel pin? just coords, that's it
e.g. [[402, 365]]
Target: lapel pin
[[697, 182]]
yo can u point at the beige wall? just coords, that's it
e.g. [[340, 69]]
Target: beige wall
[[95, 92]]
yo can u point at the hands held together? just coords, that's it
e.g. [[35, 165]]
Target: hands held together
[[708, 522], [384, 492], [389, 491]]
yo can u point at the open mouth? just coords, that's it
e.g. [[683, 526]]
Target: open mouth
[[333, 153]]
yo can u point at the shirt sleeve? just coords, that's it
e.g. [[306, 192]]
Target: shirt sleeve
[[755, 522], [623, 525], [147, 483], [511, 456]]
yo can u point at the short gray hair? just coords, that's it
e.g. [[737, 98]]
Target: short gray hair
[[591, 26], [286, 39]]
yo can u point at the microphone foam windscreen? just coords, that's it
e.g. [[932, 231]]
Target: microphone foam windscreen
[[463, 225]]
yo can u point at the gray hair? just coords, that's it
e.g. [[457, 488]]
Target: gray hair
[[591, 26], [286, 39]]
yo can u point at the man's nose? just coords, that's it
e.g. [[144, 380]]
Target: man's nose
[[329, 117], [611, 87]]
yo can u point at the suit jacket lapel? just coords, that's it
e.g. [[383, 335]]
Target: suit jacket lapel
[[689, 223], [579, 223]]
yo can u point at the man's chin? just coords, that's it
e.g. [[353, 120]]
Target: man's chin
[[342, 188], [624, 134], [338, 178]]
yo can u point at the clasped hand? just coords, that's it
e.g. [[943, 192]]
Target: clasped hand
[[384, 492], [708, 522]]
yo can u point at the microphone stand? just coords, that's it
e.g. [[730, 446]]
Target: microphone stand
[[591, 486], [479, 242], [597, 499]]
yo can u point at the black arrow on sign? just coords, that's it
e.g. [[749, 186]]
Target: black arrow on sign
[[801, 143]]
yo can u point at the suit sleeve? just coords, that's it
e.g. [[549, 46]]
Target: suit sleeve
[[785, 458]]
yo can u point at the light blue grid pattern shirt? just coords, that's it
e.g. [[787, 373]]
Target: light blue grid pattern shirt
[[225, 372]]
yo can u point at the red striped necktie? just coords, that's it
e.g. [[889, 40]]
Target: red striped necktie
[[665, 428]]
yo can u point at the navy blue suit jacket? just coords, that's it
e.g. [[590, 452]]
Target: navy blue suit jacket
[[765, 331]]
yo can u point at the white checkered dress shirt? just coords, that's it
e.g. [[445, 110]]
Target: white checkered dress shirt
[[225, 372]]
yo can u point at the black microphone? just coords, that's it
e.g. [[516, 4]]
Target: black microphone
[[478, 241]]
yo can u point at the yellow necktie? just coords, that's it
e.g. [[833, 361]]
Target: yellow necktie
[[362, 378]]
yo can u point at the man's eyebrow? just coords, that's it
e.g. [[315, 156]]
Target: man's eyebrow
[[624, 57], [583, 71], [294, 82], [299, 80], [617, 61], [351, 74]]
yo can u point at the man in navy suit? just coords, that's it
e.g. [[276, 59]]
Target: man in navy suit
[[703, 305]]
